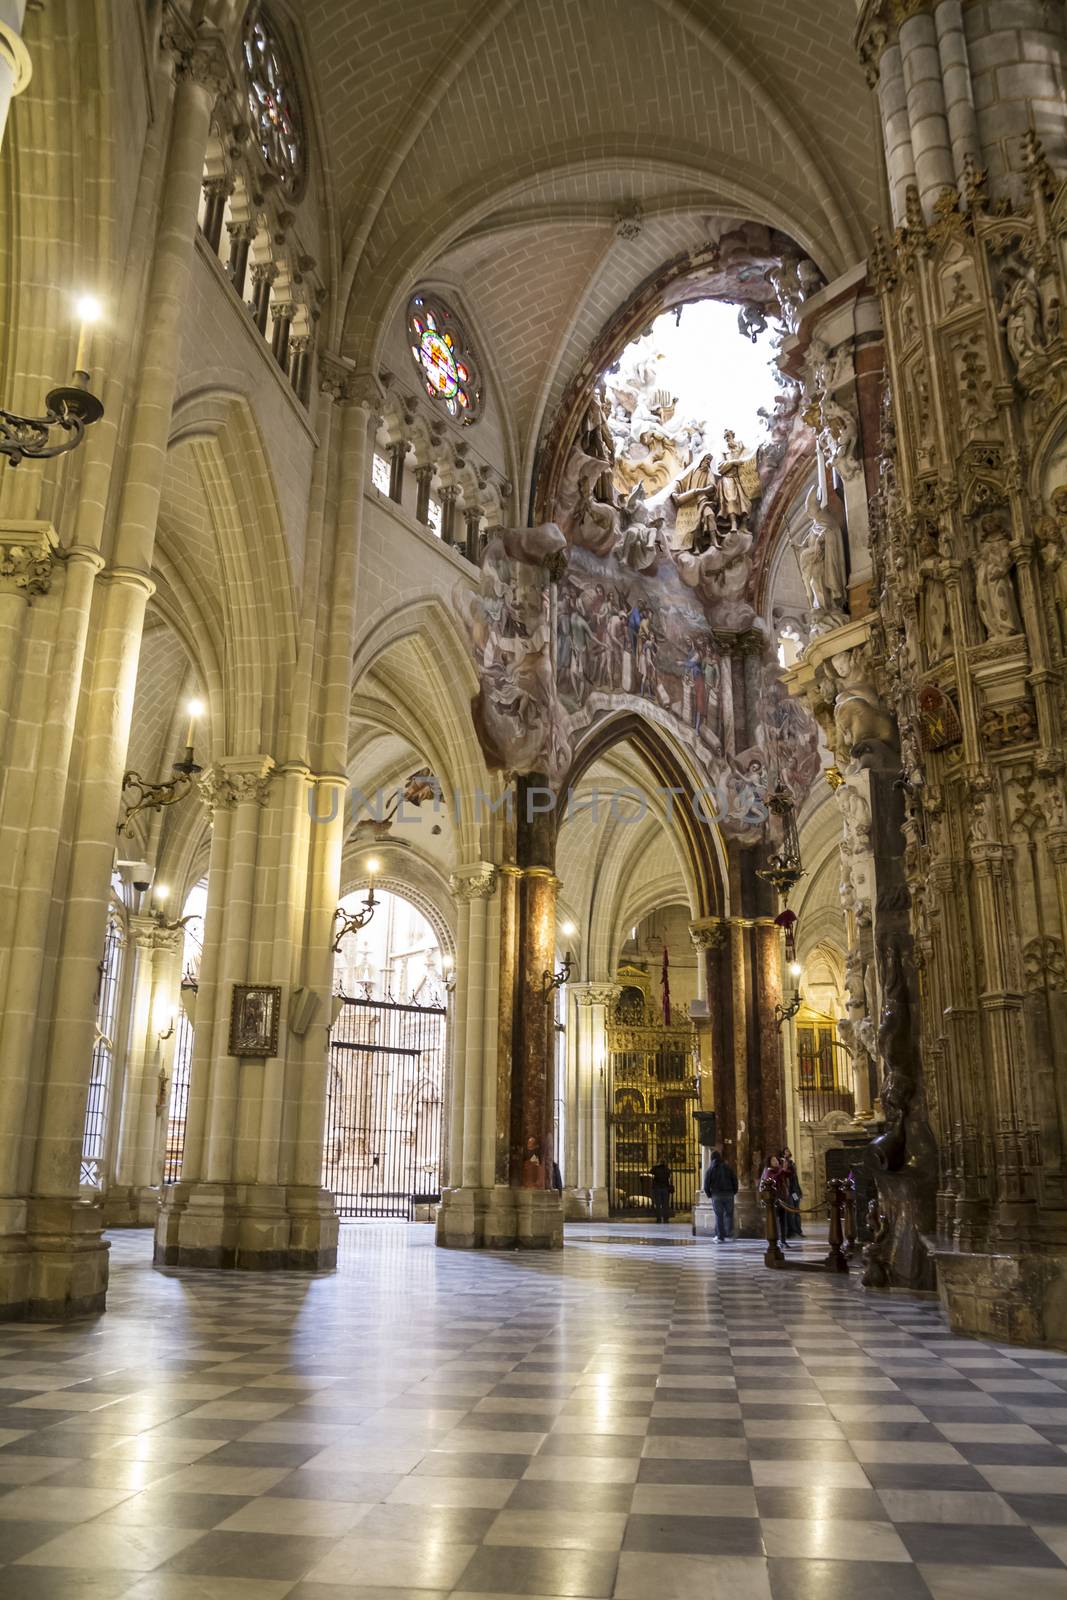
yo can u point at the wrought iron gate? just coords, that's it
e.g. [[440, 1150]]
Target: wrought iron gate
[[178, 1108], [382, 1154], [653, 1097]]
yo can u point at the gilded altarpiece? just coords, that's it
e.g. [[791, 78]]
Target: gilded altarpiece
[[652, 1097]]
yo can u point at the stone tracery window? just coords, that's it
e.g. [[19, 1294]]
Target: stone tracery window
[[442, 355], [273, 101]]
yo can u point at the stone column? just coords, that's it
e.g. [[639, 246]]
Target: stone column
[[134, 1190], [250, 1194], [423, 484], [586, 1196], [59, 1266], [216, 193], [449, 496], [477, 1210]]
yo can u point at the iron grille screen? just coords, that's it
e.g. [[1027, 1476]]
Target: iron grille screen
[[382, 1152], [178, 1108], [94, 1138], [653, 1097], [823, 1073]]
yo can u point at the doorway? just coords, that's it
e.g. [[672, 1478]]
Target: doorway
[[387, 1068]]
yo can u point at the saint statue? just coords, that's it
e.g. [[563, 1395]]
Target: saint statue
[[694, 490], [596, 441], [1020, 313], [734, 500], [821, 554], [994, 583]]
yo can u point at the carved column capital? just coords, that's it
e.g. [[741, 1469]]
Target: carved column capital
[[596, 994], [199, 52], [27, 558], [710, 933], [236, 782], [475, 882]]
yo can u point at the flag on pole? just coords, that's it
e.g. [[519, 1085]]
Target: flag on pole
[[665, 981]]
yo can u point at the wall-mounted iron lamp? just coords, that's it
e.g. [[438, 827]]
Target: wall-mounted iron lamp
[[352, 921], [71, 407]]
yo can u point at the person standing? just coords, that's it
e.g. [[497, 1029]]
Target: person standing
[[720, 1186], [662, 1189], [774, 1173], [794, 1195]]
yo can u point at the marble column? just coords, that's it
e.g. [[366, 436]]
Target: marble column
[[539, 1215]]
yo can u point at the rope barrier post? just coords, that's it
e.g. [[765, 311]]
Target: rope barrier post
[[836, 1261], [850, 1217], [773, 1256]]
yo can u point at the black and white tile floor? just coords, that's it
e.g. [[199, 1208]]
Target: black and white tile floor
[[644, 1416]]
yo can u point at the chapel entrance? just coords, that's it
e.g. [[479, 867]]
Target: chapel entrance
[[387, 1067], [652, 1097], [382, 1153]]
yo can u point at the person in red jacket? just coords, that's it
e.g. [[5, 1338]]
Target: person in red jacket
[[774, 1173]]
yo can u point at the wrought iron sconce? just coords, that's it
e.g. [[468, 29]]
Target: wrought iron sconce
[[551, 981], [161, 894], [785, 1013], [71, 407], [448, 977], [169, 1034], [352, 921], [154, 796]]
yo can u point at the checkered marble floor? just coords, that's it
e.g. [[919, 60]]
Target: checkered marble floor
[[644, 1415]]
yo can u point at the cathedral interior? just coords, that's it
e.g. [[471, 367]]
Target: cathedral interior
[[533, 651]]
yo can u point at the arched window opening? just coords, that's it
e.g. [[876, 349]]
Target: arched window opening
[[274, 102], [445, 362], [386, 1087]]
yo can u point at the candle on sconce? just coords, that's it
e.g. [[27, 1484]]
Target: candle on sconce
[[195, 709], [88, 311], [374, 866]]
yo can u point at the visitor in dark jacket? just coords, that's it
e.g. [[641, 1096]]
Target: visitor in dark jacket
[[794, 1196], [720, 1186], [662, 1189]]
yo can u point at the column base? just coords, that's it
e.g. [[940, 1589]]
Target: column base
[[53, 1261], [500, 1219], [538, 1219], [131, 1207], [704, 1217], [247, 1227], [585, 1205], [749, 1220], [1021, 1299]]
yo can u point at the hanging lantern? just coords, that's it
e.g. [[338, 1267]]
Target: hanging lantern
[[783, 870]]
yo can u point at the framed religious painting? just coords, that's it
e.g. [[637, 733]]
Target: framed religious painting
[[254, 1016]]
